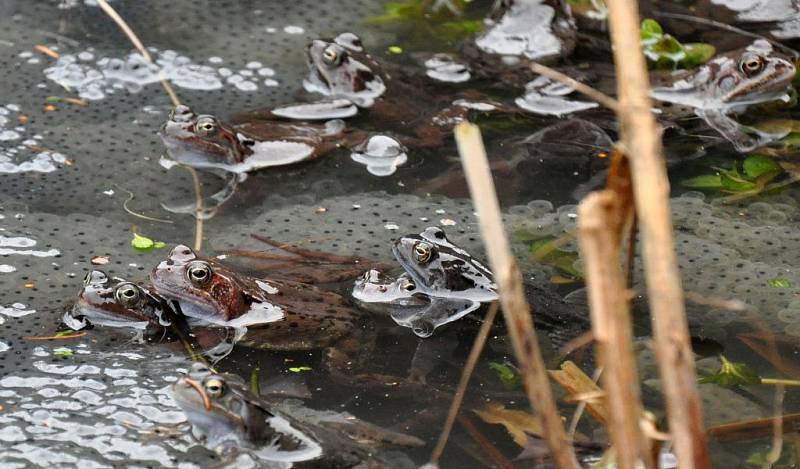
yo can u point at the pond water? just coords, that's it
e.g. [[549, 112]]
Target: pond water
[[81, 169]]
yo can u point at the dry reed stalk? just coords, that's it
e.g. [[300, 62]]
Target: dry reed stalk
[[516, 311], [642, 142], [603, 219], [466, 373], [123, 25], [586, 90]]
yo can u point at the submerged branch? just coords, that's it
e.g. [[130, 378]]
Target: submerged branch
[[642, 141], [469, 366], [516, 311]]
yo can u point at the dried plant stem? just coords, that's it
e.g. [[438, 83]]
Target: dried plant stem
[[642, 141], [512, 295], [600, 243], [466, 373], [109, 10], [599, 97], [484, 443], [777, 430], [198, 193], [139, 46]]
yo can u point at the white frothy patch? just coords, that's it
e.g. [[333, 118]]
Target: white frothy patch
[[16, 310], [97, 78], [5, 268], [4, 346], [266, 287]]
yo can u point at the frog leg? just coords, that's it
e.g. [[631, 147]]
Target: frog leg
[[306, 265], [212, 202], [742, 137]]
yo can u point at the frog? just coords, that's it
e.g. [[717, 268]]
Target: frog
[[341, 71], [116, 302], [204, 141], [442, 283], [273, 314], [119, 303], [729, 84], [227, 417]]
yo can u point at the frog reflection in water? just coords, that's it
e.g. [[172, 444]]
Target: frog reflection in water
[[228, 418], [278, 315], [441, 284], [729, 84]]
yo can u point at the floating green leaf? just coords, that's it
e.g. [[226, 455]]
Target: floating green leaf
[[545, 250], [697, 53], [63, 352], [650, 29], [507, 374], [732, 374], [145, 244], [395, 49], [779, 283], [734, 182], [706, 181], [299, 369], [667, 52], [756, 166]]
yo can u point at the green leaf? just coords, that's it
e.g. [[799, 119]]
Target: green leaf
[[697, 53], [63, 352], [145, 244], [734, 182], [64, 332], [732, 374], [706, 181], [299, 369], [395, 49], [757, 165], [779, 283], [650, 29], [507, 374]]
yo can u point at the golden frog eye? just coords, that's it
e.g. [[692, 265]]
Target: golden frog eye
[[408, 285], [205, 126], [752, 65], [332, 55], [127, 295], [422, 252], [199, 273], [215, 387]]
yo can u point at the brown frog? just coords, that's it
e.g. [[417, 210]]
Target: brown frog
[[278, 314], [206, 142]]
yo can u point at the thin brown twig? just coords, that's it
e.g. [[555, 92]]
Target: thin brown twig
[[498, 457], [140, 47], [516, 310], [598, 96], [641, 138], [198, 216], [466, 373], [777, 430], [109, 10], [57, 337]]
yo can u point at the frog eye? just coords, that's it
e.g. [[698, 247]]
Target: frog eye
[[332, 55], [751, 65], [408, 285], [199, 273], [215, 387], [422, 252], [127, 294], [206, 126]]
